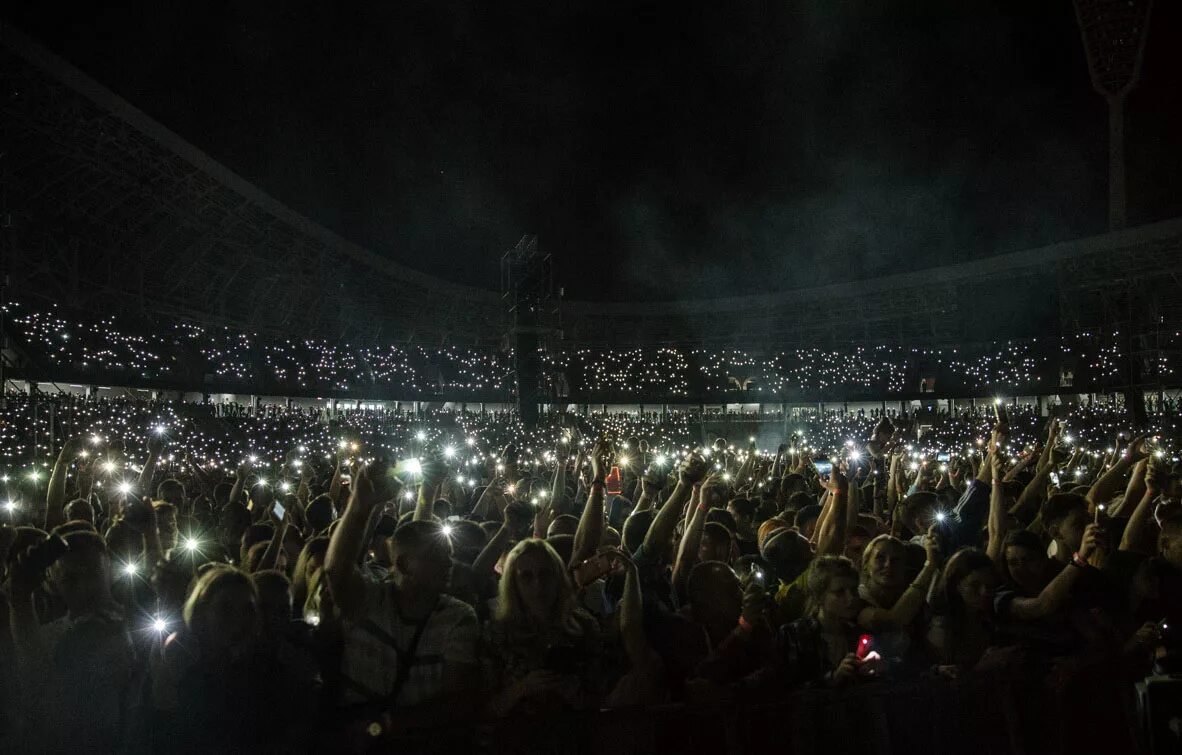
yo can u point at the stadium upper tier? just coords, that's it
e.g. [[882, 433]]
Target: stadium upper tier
[[112, 212], [52, 343]]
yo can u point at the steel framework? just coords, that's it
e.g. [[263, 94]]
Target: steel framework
[[109, 210]]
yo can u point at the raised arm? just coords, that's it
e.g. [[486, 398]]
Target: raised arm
[[432, 478], [486, 498], [1134, 490], [1138, 536], [558, 484], [155, 449], [372, 485], [239, 481], [1058, 590], [831, 533], [893, 483], [334, 487], [997, 512], [590, 531], [632, 615], [1022, 464], [1105, 487], [497, 544], [693, 469], [55, 497], [271, 555], [687, 551], [1047, 454]]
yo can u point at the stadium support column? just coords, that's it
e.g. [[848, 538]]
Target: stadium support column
[[1135, 392], [527, 366], [533, 309]]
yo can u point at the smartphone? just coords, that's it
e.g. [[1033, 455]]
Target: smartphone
[[757, 575], [943, 456], [865, 646], [824, 466], [280, 511], [1101, 513], [592, 569]]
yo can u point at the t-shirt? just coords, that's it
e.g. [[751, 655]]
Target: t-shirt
[[655, 582], [92, 663], [373, 642], [792, 598]]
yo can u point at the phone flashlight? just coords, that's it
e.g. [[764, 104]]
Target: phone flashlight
[[864, 647]]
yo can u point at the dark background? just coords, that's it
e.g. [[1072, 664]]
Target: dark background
[[660, 150]]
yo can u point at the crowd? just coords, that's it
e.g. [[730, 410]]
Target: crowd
[[184, 580], [180, 352]]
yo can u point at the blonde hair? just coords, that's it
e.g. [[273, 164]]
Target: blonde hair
[[875, 544], [510, 608], [206, 586]]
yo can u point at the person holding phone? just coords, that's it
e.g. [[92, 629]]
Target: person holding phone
[[826, 647], [541, 652]]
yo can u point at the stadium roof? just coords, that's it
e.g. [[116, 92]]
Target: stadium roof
[[110, 210]]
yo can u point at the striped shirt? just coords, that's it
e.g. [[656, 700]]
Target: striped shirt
[[373, 642]]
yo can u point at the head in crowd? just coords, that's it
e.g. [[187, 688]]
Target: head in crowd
[[969, 582], [420, 554], [222, 612], [806, 517], [743, 511], [1024, 561], [535, 589], [917, 512], [171, 491], [884, 565], [1065, 517], [564, 524], [274, 600], [856, 539], [635, 528], [81, 577], [79, 509], [788, 552], [1169, 541], [715, 544], [233, 519], [833, 589]]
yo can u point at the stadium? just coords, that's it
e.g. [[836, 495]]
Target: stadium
[[116, 220], [211, 396]]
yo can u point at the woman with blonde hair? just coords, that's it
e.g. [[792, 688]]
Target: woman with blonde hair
[[540, 652]]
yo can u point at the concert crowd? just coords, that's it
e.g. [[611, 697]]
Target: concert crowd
[[182, 578]]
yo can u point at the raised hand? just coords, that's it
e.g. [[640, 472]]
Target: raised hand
[[1094, 548], [601, 458]]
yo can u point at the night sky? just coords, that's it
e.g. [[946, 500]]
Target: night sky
[[661, 151]]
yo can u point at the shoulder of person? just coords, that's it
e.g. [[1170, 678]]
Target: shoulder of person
[[584, 623], [454, 611]]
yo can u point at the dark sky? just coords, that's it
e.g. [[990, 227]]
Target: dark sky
[[660, 151]]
